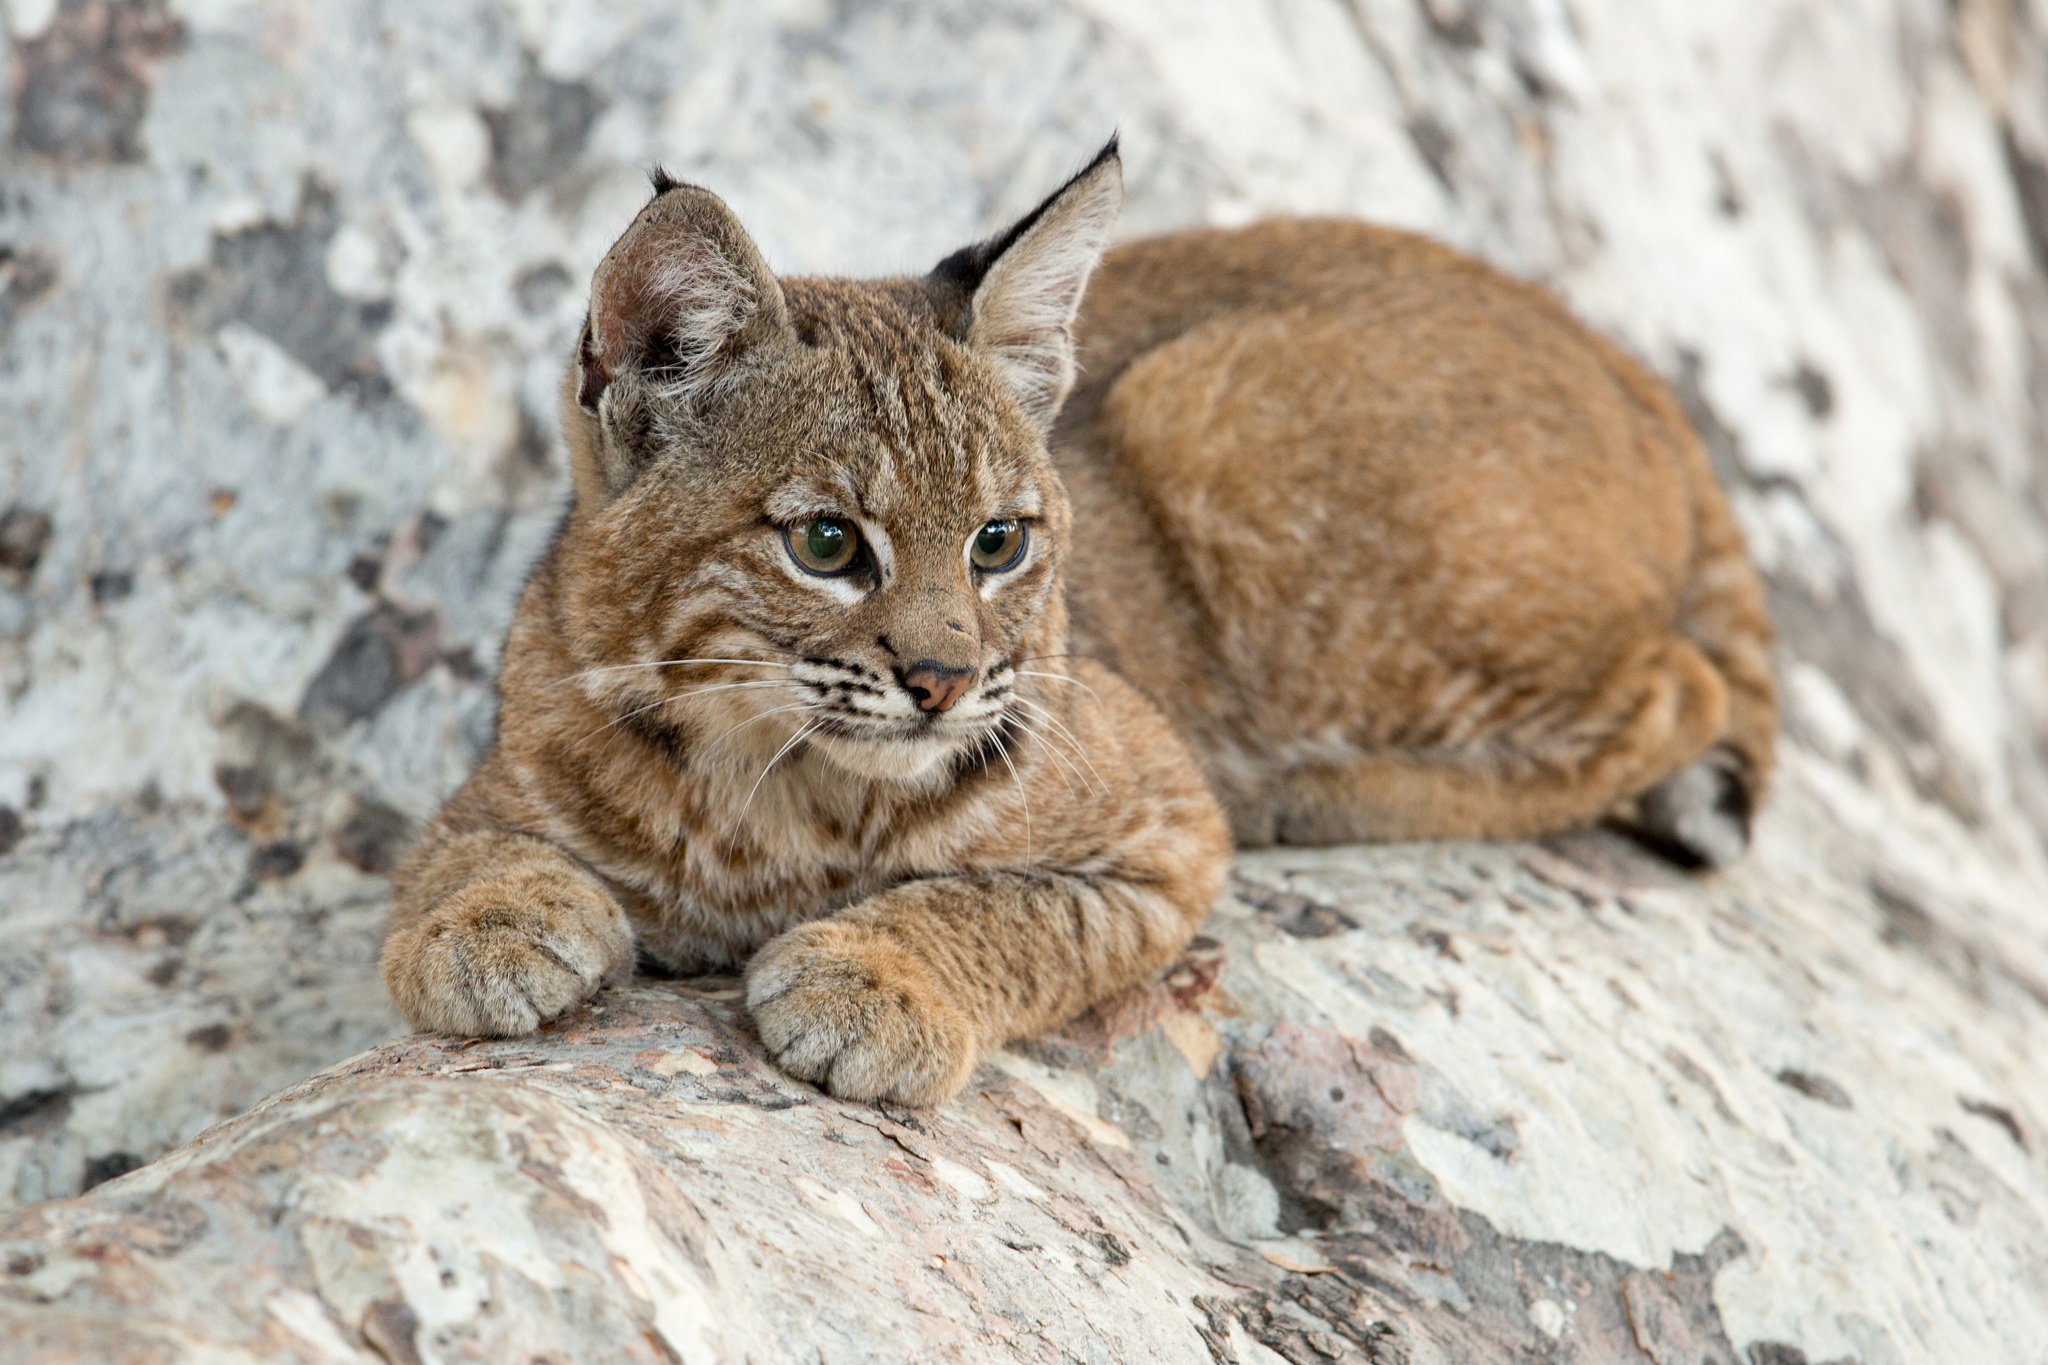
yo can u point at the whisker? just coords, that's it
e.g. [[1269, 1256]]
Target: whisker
[[1034, 658], [791, 743], [772, 711], [680, 696], [1004, 750], [1061, 677], [1069, 774], [1074, 743], [1049, 717], [1091, 781], [661, 663]]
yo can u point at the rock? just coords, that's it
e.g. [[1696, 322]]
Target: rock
[[1513, 1105], [284, 294]]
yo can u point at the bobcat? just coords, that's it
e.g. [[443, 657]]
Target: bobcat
[[1364, 539]]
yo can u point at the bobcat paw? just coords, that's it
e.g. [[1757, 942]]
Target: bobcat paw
[[846, 1009], [504, 955], [1700, 815]]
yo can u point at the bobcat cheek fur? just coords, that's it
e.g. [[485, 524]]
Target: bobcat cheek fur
[[890, 784]]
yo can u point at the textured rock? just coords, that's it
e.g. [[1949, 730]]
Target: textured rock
[[284, 289], [1425, 1104]]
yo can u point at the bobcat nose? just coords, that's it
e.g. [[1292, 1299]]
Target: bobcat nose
[[936, 686]]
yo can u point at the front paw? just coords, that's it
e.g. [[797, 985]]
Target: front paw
[[504, 955], [844, 1007]]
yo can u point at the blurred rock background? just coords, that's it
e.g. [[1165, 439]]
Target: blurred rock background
[[285, 290]]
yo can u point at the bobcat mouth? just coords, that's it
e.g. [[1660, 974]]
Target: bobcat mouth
[[872, 732], [852, 703], [923, 727], [921, 752], [923, 746], [866, 722]]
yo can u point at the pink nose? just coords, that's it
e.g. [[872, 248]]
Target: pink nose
[[937, 687]]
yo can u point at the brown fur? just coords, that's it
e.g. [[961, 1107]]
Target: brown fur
[[1397, 547], [1403, 549]]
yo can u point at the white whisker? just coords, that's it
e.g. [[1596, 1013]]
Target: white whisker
[[791, 743], [1034, 658], [1072, 742], [1004, 750], [661, 663], [1061, 677], [680, 696], [772, 711], [1069, 774]]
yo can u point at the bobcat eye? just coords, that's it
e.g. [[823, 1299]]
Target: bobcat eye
[[823, 545], [998, 546]]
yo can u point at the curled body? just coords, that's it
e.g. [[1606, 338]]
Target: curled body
[[1405, 550], [1364, 541]]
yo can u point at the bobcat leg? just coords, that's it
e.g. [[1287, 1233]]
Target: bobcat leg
[[896, 997], [1702, 813], [1671, 706]]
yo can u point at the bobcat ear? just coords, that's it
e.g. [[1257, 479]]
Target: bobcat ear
[[1013, 297], [682, 299]]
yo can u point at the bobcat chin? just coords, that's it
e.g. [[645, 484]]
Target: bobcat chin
[[1360, 540]]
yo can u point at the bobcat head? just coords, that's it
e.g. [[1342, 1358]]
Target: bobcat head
[[822, 511]]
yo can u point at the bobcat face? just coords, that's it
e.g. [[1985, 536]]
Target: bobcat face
[[814, 512], [908, 653]]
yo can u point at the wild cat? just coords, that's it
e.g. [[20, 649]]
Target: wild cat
[[1361, 540]]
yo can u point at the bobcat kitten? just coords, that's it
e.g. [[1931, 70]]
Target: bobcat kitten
[[1399, 549]]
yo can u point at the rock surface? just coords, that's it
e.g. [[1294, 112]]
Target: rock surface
[[1453, 1104], [284, 289]]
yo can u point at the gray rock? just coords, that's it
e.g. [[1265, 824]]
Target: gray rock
[[284, 293]]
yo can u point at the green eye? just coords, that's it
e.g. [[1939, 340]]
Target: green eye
[[823, 545], [998, 546]]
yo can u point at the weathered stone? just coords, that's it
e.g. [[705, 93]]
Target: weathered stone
[[284, 294], [24, 535], [81, 87], [537, 137]]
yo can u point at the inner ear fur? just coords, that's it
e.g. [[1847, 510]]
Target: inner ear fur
[[683, 301], [1014, 296]]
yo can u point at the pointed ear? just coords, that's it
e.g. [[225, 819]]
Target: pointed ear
[[682, 300], [1014, 296]]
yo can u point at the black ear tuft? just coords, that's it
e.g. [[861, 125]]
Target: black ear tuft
[[662, 181], [1014, 297], [961, 273]]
